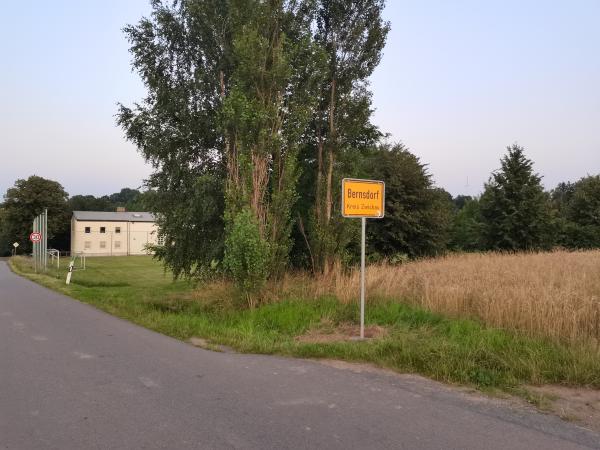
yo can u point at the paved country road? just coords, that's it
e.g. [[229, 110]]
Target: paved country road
[[73, 377]]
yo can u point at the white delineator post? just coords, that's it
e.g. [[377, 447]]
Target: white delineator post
[[70, 272], [362, 277]]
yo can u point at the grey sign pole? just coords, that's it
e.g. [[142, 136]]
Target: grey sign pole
[[362, 277], [45, 239], [39, 243], [33, 245]]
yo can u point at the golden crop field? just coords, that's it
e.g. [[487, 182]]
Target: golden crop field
[[554, 294]]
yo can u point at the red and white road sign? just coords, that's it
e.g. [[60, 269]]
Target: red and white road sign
[[35, 237]]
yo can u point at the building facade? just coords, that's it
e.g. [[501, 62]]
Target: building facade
[[121, 233]]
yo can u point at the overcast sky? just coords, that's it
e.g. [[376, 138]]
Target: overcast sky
[[459, 81]]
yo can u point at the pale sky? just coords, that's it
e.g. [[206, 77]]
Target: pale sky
[[459, 81]]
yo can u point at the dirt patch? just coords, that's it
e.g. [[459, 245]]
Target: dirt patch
[[576, 404], [341, 333]]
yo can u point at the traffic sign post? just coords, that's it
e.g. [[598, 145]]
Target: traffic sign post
[[39, 240], [34, 243], [45, 239], [363, 199]]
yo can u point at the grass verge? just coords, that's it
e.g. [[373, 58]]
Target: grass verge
[[416, 341]]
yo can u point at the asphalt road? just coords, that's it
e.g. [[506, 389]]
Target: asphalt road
[[73, 377]]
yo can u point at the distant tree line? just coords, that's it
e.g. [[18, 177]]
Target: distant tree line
[[513, 213], [130, 199], [29, 197]]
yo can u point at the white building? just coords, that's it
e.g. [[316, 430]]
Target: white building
[[121, 233]]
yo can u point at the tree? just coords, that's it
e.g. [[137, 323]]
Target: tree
[[353, 34], [27, 199], [5, 244], [266, 109], [560, 197], [89, 203], [578, 208], [514, 207], [142, 201], [460, 201], [236, 91], [417, 214], [190, 225], [584, 204], [466, 233], [130, 199], [231, 86], [124, 197], [182, 53]]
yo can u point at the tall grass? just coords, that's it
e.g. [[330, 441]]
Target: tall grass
[[555, 294]]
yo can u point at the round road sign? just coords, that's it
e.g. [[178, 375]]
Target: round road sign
[[35, 237]]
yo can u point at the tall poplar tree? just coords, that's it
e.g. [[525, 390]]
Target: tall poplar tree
[[266, 110], [353, 34]]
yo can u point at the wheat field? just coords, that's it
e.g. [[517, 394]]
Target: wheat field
[[554, 294]]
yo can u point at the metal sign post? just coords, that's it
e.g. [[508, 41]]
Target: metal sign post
[[39, 240], [45, 240], [364, 199], [33, 237], [363, 240]]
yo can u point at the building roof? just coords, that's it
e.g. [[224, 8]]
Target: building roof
[[109, 216]]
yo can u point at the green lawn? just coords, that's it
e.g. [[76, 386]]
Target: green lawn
[[418, 341]]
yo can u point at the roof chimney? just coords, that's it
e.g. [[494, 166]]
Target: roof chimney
[[121, 209]]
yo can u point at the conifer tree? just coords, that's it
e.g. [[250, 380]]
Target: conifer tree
[[514, 207]]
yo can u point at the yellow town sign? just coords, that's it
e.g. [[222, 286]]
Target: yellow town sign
[[363, 198]]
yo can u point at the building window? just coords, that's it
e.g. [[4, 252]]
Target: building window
[[102, 244], [117, 244], [87, 245], [88, 230], [118, 230], [102, 229], [160, 240]]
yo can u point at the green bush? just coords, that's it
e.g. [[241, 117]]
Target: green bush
[[577, 236], [247, 254]]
